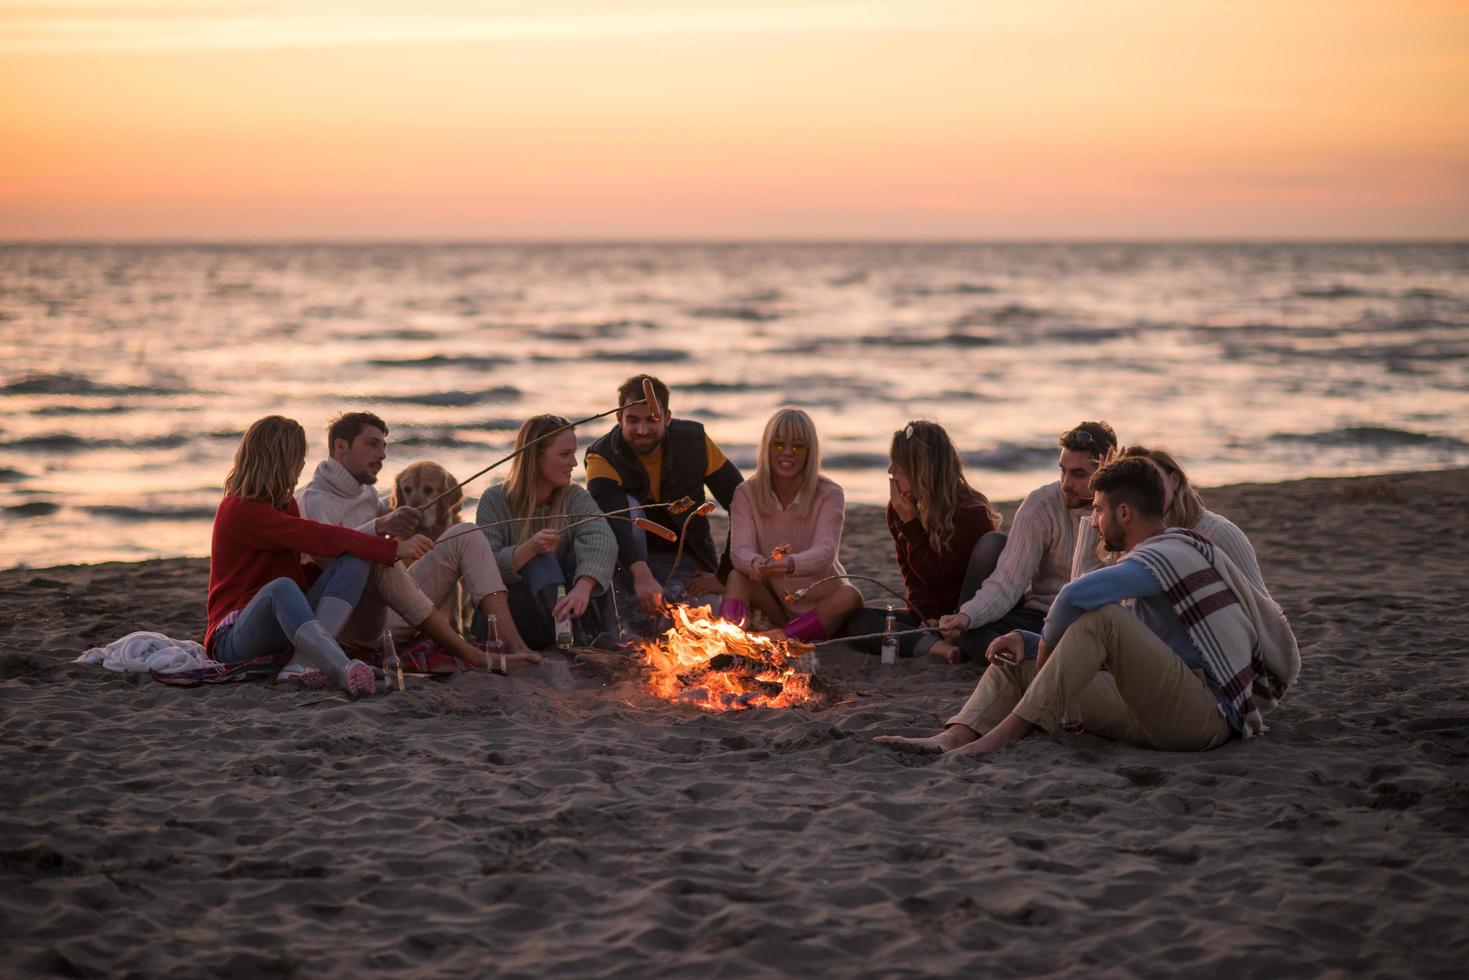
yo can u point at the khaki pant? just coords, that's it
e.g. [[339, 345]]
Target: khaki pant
[[401, 598], [1146, 695]]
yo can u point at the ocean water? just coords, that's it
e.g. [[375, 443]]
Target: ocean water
[[128, 372]]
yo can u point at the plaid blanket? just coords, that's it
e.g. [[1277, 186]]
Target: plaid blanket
[[1250, 653]]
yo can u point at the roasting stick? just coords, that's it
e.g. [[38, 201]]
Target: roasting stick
[[801, 593], [648, 397], [653, 527], [872, 636]]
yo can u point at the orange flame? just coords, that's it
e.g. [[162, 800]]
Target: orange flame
[[769, 675]]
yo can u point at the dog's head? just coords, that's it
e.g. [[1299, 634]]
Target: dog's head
[[420, 483]]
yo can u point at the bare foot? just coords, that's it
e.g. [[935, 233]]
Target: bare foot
[[915, 746], [948, 740], [949, 653], [1007, 732]]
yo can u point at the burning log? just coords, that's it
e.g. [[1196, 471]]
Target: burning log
[[713, 663]]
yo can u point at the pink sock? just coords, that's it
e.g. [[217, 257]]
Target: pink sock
[[805, 628], [735, 611]]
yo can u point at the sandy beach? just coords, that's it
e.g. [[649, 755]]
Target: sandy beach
[[553, 824]]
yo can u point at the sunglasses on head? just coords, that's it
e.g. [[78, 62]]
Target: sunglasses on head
[[908, 434], [1081, 440], [796, 448]]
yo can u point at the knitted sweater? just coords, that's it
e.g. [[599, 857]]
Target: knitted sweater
[[593, 543], [931, 578], [815, 539], [254, 543], [335, 497], [1036, 562]]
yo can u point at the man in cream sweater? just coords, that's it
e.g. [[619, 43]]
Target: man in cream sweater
[[1037, 561], [406, 600]]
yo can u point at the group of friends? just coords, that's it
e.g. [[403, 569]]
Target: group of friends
[[1115, 601]]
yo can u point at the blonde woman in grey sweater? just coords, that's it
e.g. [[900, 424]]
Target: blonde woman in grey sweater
[[547, 532]]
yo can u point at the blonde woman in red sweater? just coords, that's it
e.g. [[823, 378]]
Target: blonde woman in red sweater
[[260, 600]]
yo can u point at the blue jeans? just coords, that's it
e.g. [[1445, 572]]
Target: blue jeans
[[534, 596], [268, 622]]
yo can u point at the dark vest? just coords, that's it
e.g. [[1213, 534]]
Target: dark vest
[[685, 458]]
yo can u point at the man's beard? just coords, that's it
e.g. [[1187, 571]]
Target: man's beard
[[1074, 503], [1115, 541], [367, 477]]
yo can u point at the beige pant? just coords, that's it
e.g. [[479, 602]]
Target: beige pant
[[401, 598], [1146, 695]]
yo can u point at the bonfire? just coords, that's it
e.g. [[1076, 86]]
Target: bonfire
[[712, 663]]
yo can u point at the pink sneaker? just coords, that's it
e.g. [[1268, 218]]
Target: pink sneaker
[[360, 679], [310, 678]]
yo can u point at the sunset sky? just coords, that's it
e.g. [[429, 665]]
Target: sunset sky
[[776, 119]]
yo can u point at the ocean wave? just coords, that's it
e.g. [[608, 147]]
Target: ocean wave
[[448, 399], [33, 508], [919, 290], [1378, 436], [1010, 313], [75, 384], [440, 439], [121, 512], [749, 314], [66, 442], [471, 361], [64, 410], [854, 461], [1335, 291], [727, 387], [8, 475], [1011, 457], [954, 338], [586, 331], [648, 355], [493, 425]]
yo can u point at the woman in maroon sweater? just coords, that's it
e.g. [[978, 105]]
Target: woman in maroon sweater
[[943, 533], [259, 603]]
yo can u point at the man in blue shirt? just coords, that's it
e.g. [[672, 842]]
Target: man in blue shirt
[[1135, 675]]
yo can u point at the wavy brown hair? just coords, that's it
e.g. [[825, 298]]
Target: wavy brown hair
[[1187, 506], [268, 461], [924, 451], [523, 486]]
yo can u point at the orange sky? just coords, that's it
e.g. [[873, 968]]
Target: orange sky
[[760, 119]]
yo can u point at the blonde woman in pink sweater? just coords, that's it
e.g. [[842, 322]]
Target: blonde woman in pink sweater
[[785, 530]]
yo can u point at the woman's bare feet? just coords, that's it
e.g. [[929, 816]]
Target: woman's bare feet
[[949, 653], [950, 739]]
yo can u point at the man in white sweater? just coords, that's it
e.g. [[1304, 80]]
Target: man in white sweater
[[1037, 560], [404, 599]]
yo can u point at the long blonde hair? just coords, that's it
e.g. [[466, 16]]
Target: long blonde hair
[[924, 451], [268, 461], [789, 425], [1187, 506], [523, 486]]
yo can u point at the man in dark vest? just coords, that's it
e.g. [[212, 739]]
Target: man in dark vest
[[643, 462]]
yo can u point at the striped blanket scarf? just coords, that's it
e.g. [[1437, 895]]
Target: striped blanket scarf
[[1250, 653]]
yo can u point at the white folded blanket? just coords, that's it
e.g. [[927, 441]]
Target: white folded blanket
[[141, 652]]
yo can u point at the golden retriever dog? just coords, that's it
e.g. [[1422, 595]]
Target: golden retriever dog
[[416, 486], [420, 483]]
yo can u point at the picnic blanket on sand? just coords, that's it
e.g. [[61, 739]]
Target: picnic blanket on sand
[[183, 663]]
